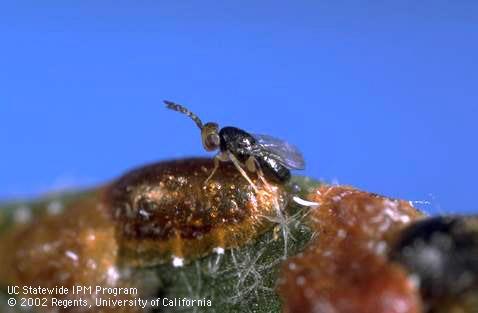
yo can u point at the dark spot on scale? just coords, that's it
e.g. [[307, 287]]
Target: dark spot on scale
[[442, 252]]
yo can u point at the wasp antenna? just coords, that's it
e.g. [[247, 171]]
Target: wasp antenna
[[179, 108]]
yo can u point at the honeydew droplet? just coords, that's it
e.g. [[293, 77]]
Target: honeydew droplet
[[218, 250], [178, 262]]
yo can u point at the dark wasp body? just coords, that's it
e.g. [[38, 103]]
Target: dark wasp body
[[270, 157], [243, 145]]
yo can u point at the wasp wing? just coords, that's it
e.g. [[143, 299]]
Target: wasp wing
[[280, 150]]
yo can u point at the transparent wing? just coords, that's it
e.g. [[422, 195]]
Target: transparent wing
[[282, 151]]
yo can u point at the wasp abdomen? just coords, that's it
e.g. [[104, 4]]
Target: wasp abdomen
[[274, 170]]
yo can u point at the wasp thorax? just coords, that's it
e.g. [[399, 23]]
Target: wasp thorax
[[210, 136]]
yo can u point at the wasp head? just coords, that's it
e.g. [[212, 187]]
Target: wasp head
[[210, 136]]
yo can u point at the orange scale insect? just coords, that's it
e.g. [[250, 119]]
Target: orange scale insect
[[76, 247], [166, 212], [345, 268]]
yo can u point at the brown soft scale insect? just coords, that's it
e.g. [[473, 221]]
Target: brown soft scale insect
[[76, 247], [164, 211], [345, 269]]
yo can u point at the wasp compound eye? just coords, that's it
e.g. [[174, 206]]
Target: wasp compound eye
[[212, 141]]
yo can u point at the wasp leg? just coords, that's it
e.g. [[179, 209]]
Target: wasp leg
[[241, 170], [251, 164], [216, 166], [254, 166], [218, 157]]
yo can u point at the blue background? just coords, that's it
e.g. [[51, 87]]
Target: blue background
[[377, 95]]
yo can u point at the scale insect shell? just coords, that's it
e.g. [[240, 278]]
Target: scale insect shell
[[165, 213]]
